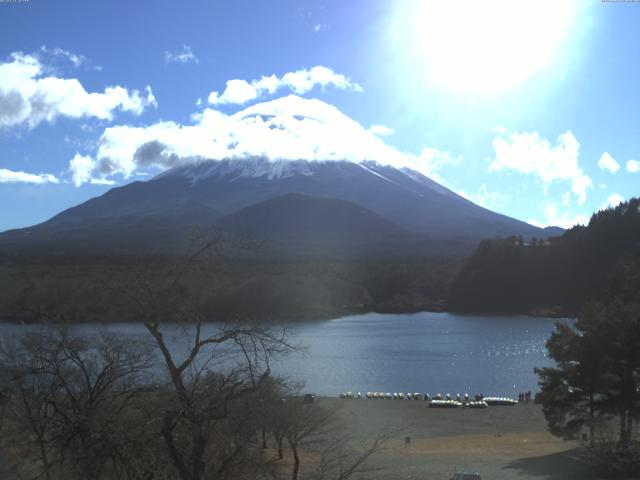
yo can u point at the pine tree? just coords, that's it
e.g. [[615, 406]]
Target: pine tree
[[597, 371]]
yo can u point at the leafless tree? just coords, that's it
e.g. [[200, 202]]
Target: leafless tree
[[307, 425], [340, 459], [64, 392], [220, 366], [29, 411], [317, 431]]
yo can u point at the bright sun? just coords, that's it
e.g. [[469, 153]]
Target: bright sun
[[488, 46]]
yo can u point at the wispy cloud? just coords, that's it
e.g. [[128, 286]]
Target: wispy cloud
[[28, 97], [431, 161], [183, 56], [11, 176], [52, 58], [530, 154], [75, 59], [320, 27], [487, 198], [239, 91]]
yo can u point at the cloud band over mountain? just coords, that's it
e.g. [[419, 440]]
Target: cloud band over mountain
[[287, 128]]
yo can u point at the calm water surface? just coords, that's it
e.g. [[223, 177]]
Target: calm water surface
[[422, 352]]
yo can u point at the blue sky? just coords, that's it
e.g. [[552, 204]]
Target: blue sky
[[528, 108]]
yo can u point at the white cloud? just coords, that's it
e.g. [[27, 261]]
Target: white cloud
[[381, 130], [564, 220], [613, 200], [531, 154], [10, 176], [608, 163], [29, 97], [633, 166], [301, 81], [81, 168], [239, 91], [287, 128], [183, 56]]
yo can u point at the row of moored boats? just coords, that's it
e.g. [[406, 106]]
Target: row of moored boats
[[437, 401]]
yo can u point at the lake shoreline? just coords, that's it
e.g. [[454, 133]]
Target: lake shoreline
[[536, 313]]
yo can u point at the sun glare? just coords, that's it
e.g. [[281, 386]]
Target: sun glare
[[488, 46]]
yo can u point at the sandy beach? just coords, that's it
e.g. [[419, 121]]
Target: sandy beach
[[507, 442]]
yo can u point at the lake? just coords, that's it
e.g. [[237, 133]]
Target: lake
[[421, 352]]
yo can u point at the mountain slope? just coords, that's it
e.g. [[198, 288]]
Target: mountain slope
[[296, 225], [299, 217], [402, 195], [200, 194]]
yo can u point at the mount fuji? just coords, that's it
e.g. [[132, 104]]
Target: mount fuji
[[310, 207]]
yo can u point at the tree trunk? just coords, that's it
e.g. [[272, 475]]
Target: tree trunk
[[628, 397], [280, 448], [264, 438], [296, 463], [176, 456], [623, 426], [45, 460], [199, 446], [591, 421]]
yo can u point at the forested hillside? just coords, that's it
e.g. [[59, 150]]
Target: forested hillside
[[86, 289], [555, 276]]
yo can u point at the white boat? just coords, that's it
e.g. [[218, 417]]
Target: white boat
[[476, 404], [499, 401], [444, 404]]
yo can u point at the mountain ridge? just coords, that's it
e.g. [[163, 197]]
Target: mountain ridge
[[201, 193]]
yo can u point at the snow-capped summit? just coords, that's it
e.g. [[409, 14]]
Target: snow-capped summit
[[236, 168], [256, 167]]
